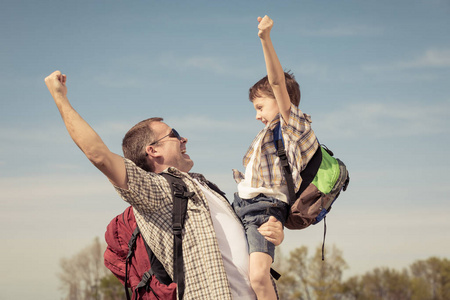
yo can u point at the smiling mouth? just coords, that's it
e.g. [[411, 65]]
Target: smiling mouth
[[183, 151]]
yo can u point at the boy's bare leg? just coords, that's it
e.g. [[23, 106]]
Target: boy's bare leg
[[260, 276]]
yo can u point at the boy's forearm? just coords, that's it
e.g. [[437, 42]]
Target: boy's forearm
[[275, 73]]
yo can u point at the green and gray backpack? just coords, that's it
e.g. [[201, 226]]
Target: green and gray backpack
[[322, 181]]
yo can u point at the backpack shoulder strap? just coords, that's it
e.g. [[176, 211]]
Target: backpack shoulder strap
[[281, 153], [131, 248], [307, 174], [181, 196]]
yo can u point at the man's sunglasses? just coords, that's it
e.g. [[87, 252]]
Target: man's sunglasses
[[173, 133]]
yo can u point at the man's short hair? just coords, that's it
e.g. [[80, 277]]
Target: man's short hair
[[135, 142], [262, 88]]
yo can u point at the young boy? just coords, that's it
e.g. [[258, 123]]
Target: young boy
[[262, 191]]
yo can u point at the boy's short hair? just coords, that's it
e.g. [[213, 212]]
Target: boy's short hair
[[263, 88], [135, 142]]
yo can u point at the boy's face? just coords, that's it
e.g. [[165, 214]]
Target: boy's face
[[266, 109]]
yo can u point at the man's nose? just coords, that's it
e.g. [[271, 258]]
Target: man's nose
[[183, 140]]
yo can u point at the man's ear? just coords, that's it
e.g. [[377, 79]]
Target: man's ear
[[152, 151]]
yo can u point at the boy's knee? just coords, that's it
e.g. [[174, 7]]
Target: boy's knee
[[259, 277], [259, 280]]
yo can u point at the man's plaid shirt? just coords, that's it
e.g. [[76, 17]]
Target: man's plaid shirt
[[151, 197], [300, 143]]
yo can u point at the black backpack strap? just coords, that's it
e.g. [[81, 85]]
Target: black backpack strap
[[281, 153], [310, 171], [307, 174], [180, 198], [215, 188], [157, 268], [131, 247], [146, 278], [275, 274]]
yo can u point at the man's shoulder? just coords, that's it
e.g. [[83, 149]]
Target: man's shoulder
[[198, 176], [202, 179]]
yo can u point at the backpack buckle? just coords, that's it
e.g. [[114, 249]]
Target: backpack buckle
[[177, 228], [281, 153]]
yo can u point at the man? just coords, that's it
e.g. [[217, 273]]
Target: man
[[214, 245]]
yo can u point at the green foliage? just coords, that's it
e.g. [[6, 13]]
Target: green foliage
[[84, 276], [111, 288], [310, 278], [431, 279]]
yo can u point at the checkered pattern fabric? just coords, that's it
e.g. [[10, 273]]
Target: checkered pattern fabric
[[300, 143], [151, 197]]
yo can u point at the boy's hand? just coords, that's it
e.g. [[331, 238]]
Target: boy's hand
[[265, 25], [56, 84]]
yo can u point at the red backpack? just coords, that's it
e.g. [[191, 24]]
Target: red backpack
[[132, 262]]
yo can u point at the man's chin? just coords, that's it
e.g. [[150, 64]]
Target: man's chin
[[187, 166]]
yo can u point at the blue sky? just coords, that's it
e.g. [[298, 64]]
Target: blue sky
[[374, 76]]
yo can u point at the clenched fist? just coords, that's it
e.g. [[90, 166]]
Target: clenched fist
[[56, 84], [265, 25]]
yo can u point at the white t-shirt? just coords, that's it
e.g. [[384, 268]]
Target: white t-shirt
[[246, 191], [232, 244]]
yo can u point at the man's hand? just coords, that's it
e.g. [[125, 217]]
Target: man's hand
[[265, 25], [56, 84], [272, 230]]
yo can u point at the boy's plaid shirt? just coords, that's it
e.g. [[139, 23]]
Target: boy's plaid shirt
[[151, 198], [300, 143]]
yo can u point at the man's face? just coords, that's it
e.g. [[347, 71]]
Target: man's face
[[172, 151], [266, 109]]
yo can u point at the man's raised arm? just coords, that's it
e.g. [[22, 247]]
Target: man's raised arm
[[84, 136]]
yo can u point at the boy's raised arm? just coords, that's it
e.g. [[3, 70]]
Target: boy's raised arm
[[275, 72], [112, 165]]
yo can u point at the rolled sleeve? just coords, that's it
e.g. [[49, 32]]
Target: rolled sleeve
[[146, 190]]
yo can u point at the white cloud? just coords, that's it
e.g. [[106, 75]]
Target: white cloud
[[58, 134], [205, 123], [431, 58], [207, 63], [31, 134], [116, 128], [317, 70], [117, 80], [385, 120], [213, 64], [343, 31], [30, 190]]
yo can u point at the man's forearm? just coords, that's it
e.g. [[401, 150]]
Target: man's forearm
[[81, 133], [112, 165]]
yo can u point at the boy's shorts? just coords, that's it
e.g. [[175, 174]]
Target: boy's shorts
[[255, 212]]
